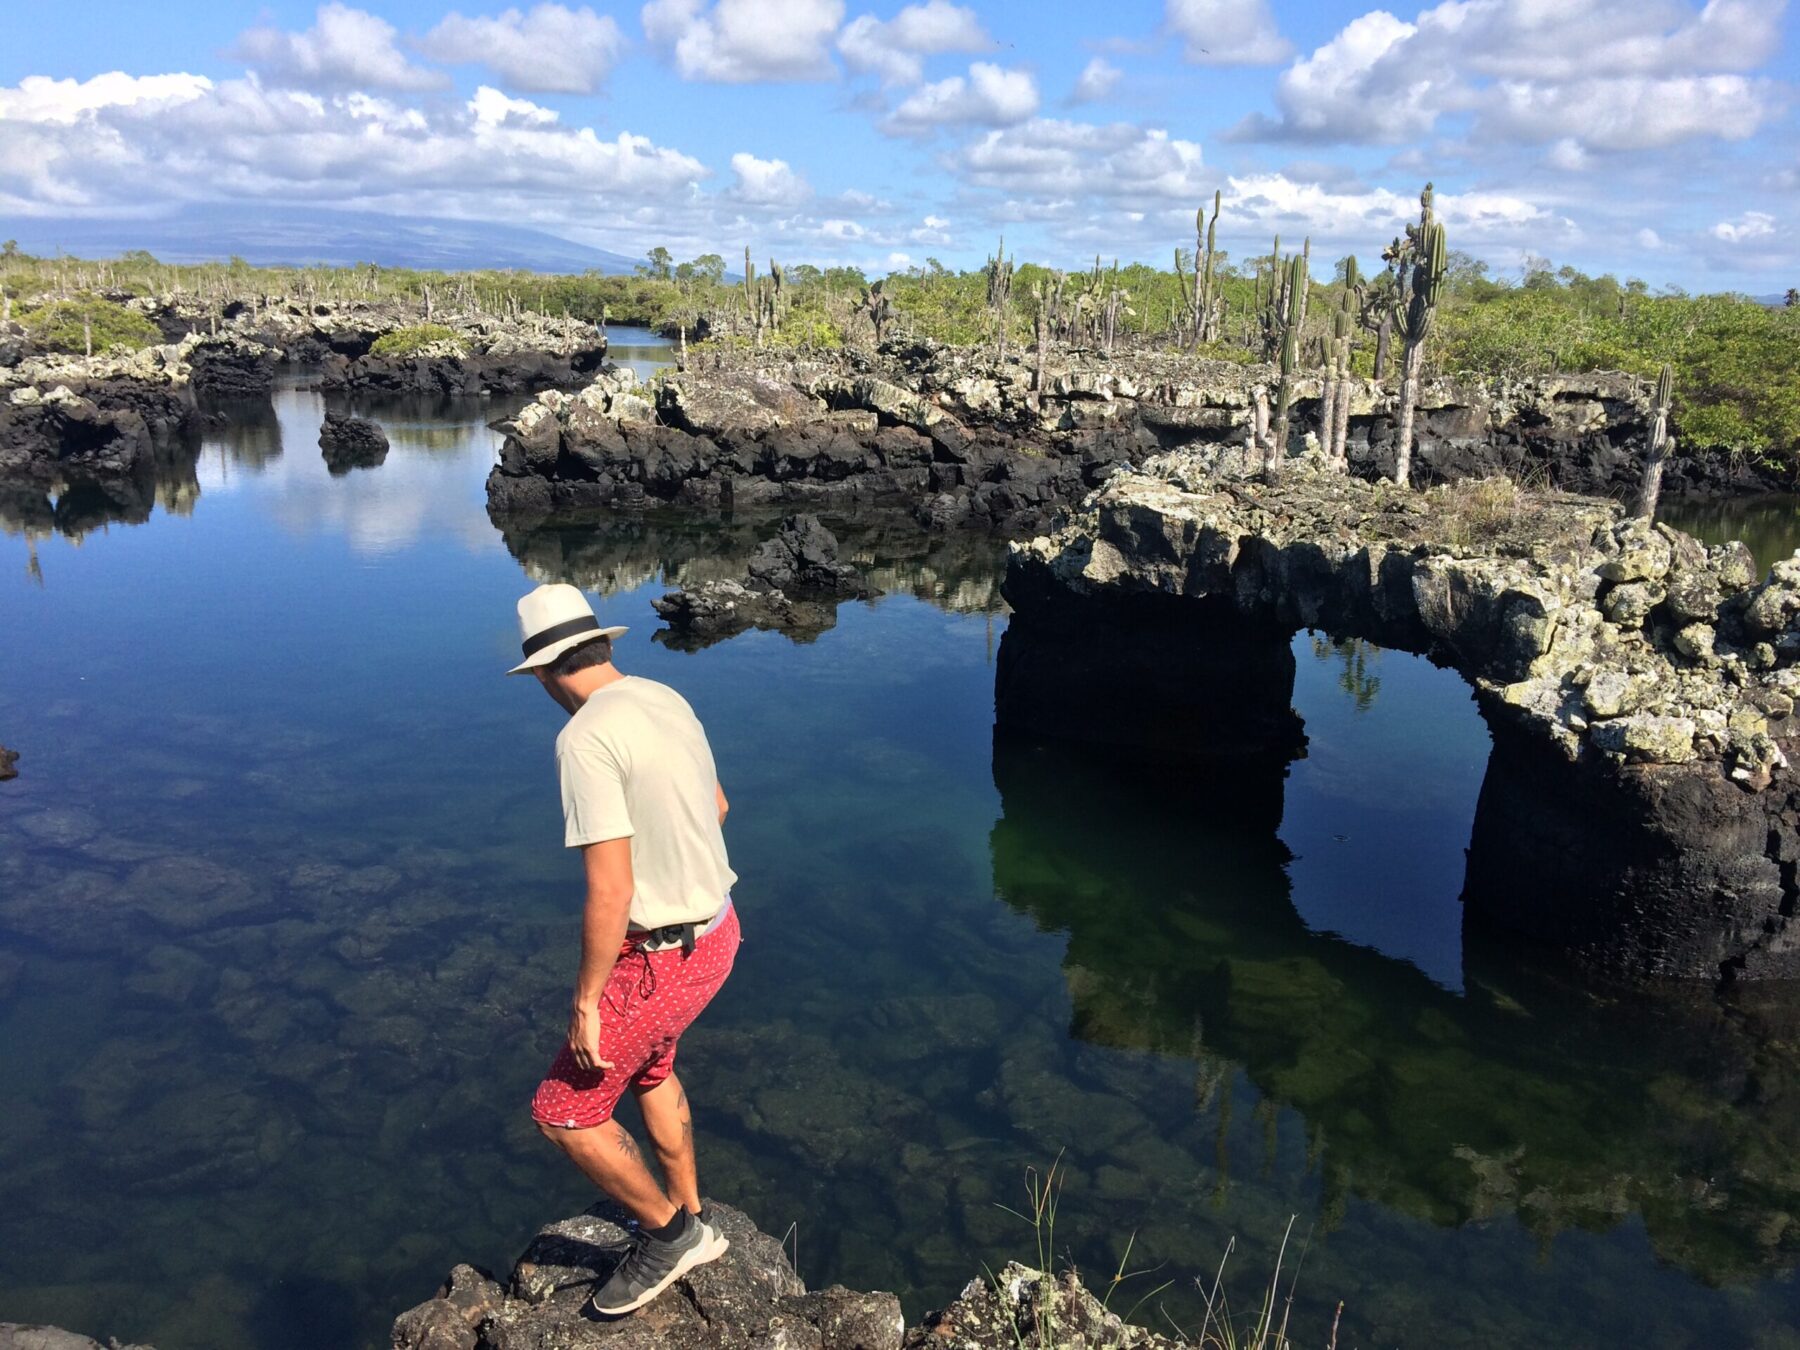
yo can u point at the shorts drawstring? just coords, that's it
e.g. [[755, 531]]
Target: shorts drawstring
[[646, 981]]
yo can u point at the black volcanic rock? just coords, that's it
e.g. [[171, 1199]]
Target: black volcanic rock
[[351, 443]]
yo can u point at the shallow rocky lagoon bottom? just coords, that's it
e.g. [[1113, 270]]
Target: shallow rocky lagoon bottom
[[286, 938]]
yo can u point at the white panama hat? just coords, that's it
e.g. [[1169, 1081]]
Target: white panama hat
[[552, 619]]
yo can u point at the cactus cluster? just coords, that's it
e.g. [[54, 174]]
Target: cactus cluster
[[765, 297], [1204, 295], [1273, 299], [1293, 288], [879, 309]]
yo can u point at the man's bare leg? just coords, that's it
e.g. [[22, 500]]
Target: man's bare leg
[[670, 1126], [610, 1158]]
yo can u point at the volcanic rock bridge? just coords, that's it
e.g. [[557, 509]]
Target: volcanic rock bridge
[[1638, 810]]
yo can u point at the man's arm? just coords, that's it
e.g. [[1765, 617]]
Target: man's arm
[[604, 918], [724, 806]]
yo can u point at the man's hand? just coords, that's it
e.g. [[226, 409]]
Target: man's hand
[[603, 923], [584, 1037]]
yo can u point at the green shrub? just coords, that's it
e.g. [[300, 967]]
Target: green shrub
[[809, 326], [65, 325], [409, 341], [1733, 358]]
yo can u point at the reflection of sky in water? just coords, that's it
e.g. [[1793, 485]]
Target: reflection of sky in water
[[428, 481], [285, 932]]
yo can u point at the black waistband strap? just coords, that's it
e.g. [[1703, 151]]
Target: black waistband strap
[[536, 643]]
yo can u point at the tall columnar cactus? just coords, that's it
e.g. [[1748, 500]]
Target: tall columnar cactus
[[999, 272], [1040, 330], [1294, 288], [1424, 260], [1659, 446], [1269, 306], [1334, 414]]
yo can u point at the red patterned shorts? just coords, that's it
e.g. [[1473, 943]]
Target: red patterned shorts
[[648, 1002]]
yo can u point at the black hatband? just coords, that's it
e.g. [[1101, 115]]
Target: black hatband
[[557, 632]]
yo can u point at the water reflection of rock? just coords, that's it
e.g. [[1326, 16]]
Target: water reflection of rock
[[613, 552], [77, 505], [1530, 1096]]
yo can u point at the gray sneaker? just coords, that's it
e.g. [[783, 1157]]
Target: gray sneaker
[[652, 1265]]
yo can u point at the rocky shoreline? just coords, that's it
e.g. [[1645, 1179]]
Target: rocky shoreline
[[104, 419], [958, 438], [750, 1297]]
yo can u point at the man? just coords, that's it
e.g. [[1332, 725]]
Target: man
[[642, 801]]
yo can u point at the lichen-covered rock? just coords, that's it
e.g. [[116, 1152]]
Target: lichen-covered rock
[[1647, 737], [1022, 1306]]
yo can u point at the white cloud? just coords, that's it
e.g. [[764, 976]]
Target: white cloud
[[1603, 75], [548, 49], [1227, 32], [1049, 159], [344, 49], [1750, 225], [1568, 154], [1371, 216], [491, 108], [495, 158], [933, 231], [1097, 80], [39, 98], [1634, 113], [895, 50], [990, 96], [767, 182], [1649, 239], [746, 41]]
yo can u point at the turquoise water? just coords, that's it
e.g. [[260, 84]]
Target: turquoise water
[[286, 937]]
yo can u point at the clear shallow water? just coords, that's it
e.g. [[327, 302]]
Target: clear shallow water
[[1769, 524], [286, 936]]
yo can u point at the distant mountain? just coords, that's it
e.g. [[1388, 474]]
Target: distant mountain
[[1772, 301], [298, 235]]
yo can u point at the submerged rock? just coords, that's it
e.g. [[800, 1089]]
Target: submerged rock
[[9, 764], [802, 559], [792, 585], [20, 1336], [351, 443]]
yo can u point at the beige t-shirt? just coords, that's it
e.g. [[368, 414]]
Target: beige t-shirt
[[634, 763]]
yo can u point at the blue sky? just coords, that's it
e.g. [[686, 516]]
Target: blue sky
[[1653, 138]]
